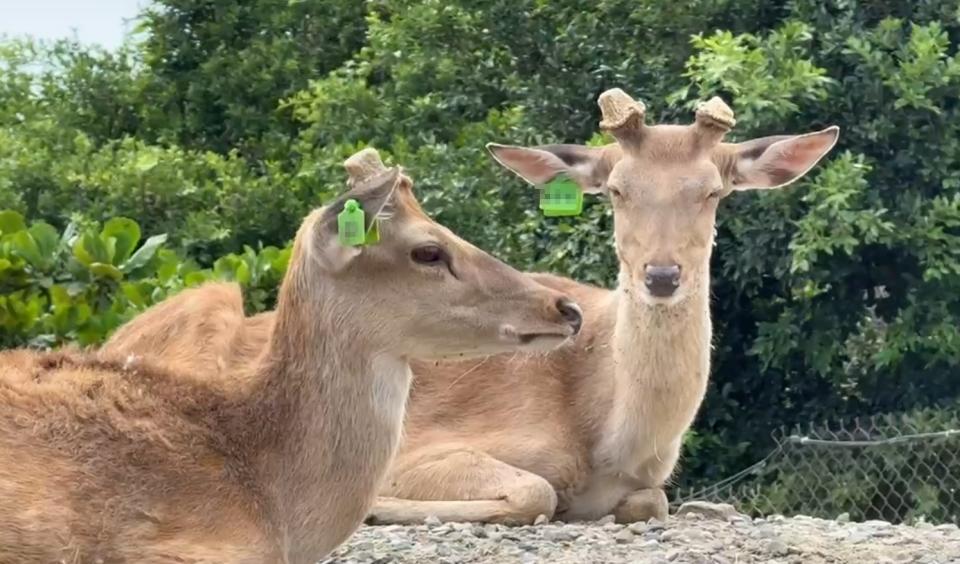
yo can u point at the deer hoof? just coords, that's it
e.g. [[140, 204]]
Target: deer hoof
[[642, 505]]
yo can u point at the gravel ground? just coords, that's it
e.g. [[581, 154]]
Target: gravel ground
[[704, 533]]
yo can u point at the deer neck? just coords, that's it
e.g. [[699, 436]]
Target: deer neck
[[332, 404], [661, 360]]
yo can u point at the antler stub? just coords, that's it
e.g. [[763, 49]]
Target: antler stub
[[363, 165], [622, 115]]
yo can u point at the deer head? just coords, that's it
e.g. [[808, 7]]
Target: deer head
[[421, 291], [665, 181]]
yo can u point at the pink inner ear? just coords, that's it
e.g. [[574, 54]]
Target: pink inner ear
[[536, 166], [798, 155], [787, 160]]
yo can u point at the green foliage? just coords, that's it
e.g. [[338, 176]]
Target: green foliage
[[79, 285], [839, 295]]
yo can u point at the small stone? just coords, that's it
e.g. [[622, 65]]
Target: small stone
[[650, 543], [673, 554], [843, 518], [709, 510], [715, 546], [946, 528], [432, 521], [559, 535], [767, 533], [857, 537], [612, 527], [655, 525], [528, 546], [638, 528], [624, 537], [924, 526], [777, 547], [842, 534], [541, 520], [671, 535], [607, 519]]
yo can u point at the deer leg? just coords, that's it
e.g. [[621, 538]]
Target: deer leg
[[463, 485], [650, 502]]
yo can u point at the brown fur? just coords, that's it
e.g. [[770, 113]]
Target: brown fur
[[596, 425], [119, 457]]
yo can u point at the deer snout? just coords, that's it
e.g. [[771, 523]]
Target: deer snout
[[571, 313], [662, 281]]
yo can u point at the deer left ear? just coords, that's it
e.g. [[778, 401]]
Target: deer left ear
[[774, 162], [587, 166]]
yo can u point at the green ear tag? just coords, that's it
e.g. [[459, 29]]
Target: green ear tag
[[373, 234], [350, 224], [561, 197]]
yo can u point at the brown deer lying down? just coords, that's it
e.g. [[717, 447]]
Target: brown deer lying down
[[109, 459], [594, 427]]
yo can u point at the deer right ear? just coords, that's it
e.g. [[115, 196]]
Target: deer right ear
[[376, 196], [587, 166]]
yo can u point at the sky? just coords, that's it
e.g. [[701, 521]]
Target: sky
[[102, 22]]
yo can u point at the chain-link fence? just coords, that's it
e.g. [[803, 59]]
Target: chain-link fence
[[897, 468]]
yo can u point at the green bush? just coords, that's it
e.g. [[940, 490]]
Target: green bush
[[80, 284]]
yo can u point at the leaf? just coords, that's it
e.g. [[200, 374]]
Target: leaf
[[146, 162], [89, 248], [127, 235], [144, 253], [48, 244], [225, 268], [194, 279], [106, 270], [60, 298], [133, 293], [26, 248], [243, 274], [11, 222]]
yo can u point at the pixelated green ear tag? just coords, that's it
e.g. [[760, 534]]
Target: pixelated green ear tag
[[561, 197], [350, 224]]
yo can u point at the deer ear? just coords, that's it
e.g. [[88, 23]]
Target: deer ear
[[774, 162], [538, 165], [377, 198]]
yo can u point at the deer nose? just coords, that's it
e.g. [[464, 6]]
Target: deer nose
[[571, 313], [662, 281]]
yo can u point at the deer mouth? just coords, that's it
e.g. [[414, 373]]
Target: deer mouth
[[529, 338], [534, 339]]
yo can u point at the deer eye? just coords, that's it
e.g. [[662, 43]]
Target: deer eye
[[431, 255], [614, 192], [715, 195]]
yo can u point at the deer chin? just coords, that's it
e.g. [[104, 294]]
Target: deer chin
[[647, 299]]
